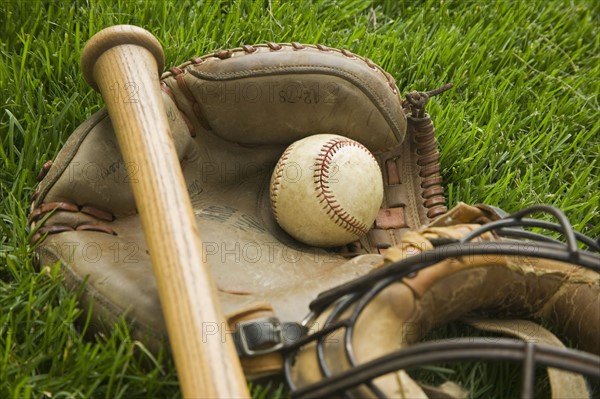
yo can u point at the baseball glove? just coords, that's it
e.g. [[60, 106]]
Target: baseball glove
[[232, 114]]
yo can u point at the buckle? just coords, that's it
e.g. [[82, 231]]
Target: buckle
[[251, 335]]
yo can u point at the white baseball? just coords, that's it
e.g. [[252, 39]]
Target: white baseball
[[326, 190]]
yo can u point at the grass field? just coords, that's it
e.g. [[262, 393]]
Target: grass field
[[521, 127]]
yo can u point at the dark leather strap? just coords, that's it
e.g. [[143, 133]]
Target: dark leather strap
[[265, 335]]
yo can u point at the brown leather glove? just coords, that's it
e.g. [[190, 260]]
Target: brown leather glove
[[232, 114]]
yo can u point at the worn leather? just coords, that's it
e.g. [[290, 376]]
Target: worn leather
[[563, 384], [232, 114], [505, 286]]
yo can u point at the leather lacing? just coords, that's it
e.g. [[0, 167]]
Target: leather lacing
[[429, 161], [247, 49], [44, 170], [398, 213], [423, 136], [44, 209], [179, 71]]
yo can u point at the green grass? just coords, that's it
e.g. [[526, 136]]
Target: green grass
[[521, 127]]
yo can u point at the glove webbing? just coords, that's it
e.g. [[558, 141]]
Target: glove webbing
[[413, 189]]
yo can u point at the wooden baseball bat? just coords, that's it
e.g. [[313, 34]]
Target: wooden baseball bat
[[123, 62]]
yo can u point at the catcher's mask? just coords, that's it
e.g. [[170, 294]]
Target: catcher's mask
[[344, 305]]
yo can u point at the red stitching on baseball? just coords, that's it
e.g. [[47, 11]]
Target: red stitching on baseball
[[321, 178], [277, 180]]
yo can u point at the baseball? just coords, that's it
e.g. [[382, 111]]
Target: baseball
[[326, 190]]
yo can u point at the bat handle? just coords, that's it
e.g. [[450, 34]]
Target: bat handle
[[123, 63]]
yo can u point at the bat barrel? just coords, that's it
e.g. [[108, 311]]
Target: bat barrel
[[123, 63]]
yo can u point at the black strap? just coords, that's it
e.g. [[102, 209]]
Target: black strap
[[265, 335]]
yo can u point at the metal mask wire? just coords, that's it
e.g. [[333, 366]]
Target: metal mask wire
[[360, 292]]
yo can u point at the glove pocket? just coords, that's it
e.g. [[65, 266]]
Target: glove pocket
[[279, 94]]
